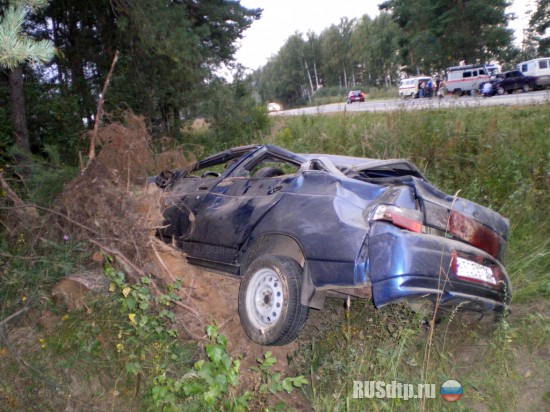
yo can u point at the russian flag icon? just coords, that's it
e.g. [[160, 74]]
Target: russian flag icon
[[451, 390]]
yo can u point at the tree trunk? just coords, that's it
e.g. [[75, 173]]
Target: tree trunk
[[315, 73], [345, 75], [309, 76], [18, 115]]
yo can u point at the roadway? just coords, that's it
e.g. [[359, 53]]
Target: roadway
[[517, 98]]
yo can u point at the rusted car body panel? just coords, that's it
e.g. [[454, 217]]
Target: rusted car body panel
[[356, 226]]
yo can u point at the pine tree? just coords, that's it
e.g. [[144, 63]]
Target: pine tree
[[16, 47], [540, 27], [439, 33]]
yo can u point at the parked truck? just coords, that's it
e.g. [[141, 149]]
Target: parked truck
[[467, 79], [538, 68]]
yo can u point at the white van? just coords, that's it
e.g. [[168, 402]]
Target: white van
[[468, 78], [538, 68], [409, 87]]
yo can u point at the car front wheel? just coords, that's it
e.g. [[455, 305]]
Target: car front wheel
[[269, 300], [525, 88], [500, 90]]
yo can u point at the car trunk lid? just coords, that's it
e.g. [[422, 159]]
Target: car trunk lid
[[462, 219]]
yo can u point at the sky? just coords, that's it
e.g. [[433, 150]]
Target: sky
[[282, 18]]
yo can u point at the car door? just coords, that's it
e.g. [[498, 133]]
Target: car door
[[181, 206], [232, 208], [509, 83]]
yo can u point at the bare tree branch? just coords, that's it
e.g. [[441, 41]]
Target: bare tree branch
[[93, 136]]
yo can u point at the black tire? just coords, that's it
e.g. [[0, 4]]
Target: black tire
[[500, 90], [269, 301], [525, 88]]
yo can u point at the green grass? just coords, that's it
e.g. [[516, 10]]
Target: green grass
[[498, 157]]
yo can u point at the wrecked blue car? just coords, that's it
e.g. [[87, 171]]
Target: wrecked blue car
[[297, 228]]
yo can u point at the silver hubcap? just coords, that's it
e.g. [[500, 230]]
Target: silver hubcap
[[264, 299]]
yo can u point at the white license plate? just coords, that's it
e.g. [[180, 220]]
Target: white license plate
[[472, 270]]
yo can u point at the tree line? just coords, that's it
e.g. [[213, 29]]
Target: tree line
[[169, 54], [55, 56], [408, 37]]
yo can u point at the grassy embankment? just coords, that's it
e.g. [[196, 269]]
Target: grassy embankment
[[498, 157]]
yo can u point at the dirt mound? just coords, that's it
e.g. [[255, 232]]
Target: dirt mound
[[112, 204]]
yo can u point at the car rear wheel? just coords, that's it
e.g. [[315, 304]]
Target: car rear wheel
[[525, 88], [269, 300]]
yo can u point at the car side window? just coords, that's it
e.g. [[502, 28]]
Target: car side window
[[268, 166]]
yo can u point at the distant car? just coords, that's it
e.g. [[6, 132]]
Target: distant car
[[508, 82], [297, 228], [356, 96], [273, 107]]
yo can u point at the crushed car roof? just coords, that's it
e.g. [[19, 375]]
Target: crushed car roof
[[362, 163]]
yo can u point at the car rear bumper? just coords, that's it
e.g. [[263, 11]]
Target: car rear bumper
[[543, 80], [396, 265], [405, 266]]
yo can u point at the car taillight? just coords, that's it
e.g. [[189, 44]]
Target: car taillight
[[409, 219], [474, 233]]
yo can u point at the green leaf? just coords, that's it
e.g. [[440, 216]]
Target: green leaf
[[133, 367], [287, 385], [159, 392], [130, 303], [212, 394], [211, 331], [222, 340], [269, 361], [215, 352], [299, 381], [192, 388], [226, 361]]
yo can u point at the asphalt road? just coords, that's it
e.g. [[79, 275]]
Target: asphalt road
[[517, 98]]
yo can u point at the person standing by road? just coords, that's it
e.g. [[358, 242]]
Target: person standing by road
[[421, 89], [441, 91], [429, 88], [437, 84]]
